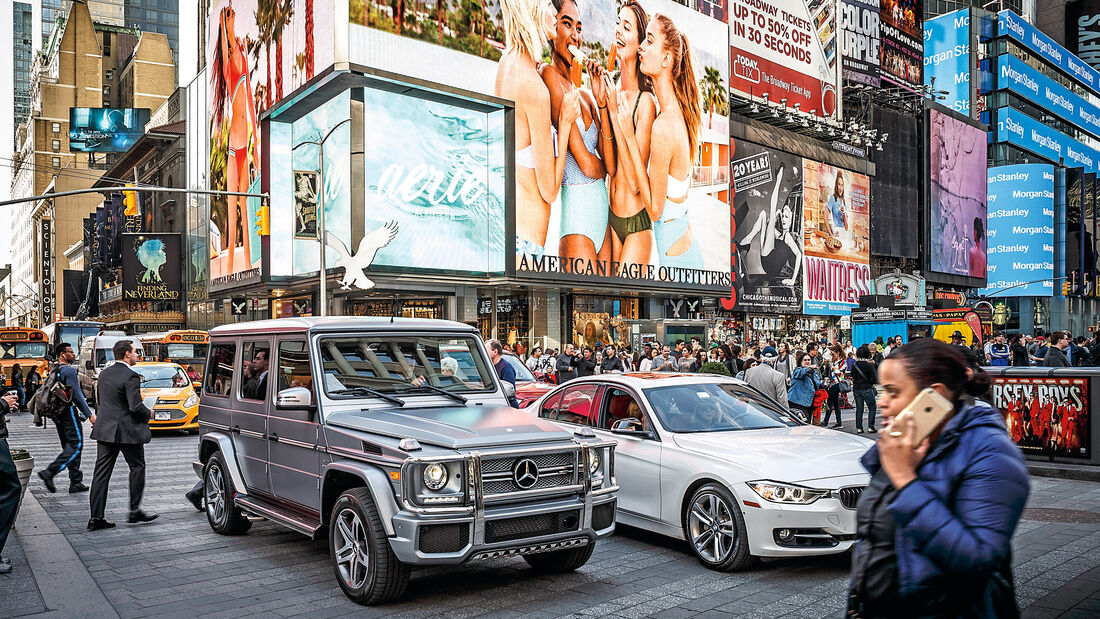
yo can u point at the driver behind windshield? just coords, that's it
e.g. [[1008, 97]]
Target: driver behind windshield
[[708, 413]]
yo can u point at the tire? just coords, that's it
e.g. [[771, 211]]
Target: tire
[[364, 565], [219, 496], [725, 547], [560, 561]]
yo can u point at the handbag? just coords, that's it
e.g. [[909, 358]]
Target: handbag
[[844, 386]]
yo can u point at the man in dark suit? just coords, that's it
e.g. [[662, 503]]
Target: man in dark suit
[[255, 388], [121, 426]]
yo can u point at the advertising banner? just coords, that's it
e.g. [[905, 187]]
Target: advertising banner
[[1013, 26], [907, 290], [1017, 76], [592, 223], [767, 200], [786, 48], [1021, 230], [859, 41], [957, 196], [1088, 226], [104, 129], [1018, 128], [1083, 30], [835, 206], [947, 59], [902, 43], [305, 204], [151, 267], [46, 269], [1074, 229], [258, 53], [1046, 415]]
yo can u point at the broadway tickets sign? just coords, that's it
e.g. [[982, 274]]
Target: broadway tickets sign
[[787, 49], [151, 265], [1047, 416]]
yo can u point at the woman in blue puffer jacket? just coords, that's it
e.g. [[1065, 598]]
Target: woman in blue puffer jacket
[[804, 385], [935, 524]]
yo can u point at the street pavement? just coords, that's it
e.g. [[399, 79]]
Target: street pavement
[[177, 567]]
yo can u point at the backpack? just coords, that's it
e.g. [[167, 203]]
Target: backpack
[[53, 399]]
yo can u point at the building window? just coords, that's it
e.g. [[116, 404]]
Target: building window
[[56, 145], [57, 162], [55, 127], [107, 43], [106, 91], [109, 75]]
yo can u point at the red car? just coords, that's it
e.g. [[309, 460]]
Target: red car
[[528, 388]]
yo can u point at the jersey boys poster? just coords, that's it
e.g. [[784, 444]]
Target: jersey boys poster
[[1048, 416]]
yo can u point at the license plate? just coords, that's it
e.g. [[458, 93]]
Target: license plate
[[162, 416]]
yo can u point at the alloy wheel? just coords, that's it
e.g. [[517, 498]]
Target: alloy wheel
[[215, 494], [350, 541], [712, 528]]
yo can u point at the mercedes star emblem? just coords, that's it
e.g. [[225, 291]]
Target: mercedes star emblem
[[525, 473]]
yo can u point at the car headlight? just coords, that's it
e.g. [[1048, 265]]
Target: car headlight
[[191, 401], [786, 493], [593, 462], [435, 476]]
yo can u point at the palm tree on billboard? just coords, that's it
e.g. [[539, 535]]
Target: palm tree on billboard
[[266, 13], [714, 93], [309, 40], [281, 19]]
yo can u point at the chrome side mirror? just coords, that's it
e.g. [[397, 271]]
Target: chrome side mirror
[[509, 389], [294, 398]]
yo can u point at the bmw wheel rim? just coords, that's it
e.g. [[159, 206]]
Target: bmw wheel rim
[[350, 542], [215, 494], [711, 528]]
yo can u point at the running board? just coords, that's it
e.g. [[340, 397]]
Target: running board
[[297, 522]]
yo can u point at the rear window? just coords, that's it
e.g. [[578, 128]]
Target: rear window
[[219, 372]]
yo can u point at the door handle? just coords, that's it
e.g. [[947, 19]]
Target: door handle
[[273, 437]]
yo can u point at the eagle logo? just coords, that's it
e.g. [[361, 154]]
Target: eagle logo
[[355, 265]]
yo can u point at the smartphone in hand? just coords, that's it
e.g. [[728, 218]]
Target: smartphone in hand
[[928, 410]]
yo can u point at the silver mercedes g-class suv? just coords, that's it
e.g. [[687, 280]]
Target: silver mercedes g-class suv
[[393, 437]]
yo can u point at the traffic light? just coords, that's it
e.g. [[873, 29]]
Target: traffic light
[[1065, 289]]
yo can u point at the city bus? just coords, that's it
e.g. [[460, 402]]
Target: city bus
[[71, 331], [186, 347], [24, 347]]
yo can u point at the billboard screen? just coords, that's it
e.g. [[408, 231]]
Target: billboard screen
[[1046, 416], [1074, 229], [1083, 30], [257, 56], [104, 129], [1021, 230], [1015, 127], [835, 207], [957, 196], [1022, 79], [947, 58], [786, 48], [859, 41], [1013, 26], [767, 201], [151, 267], [902, 42]]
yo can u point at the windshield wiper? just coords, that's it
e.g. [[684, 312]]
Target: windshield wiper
[[368, 391], [454, 396]]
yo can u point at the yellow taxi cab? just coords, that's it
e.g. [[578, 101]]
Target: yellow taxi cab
[[177, 406]]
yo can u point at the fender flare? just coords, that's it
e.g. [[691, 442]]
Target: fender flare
[[225, 445], [376, 482]]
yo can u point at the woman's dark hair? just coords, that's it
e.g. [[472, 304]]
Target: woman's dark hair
[[1016, 338], [749, 363], [979, 230], [863, 352], [928, 361], [642, 19], [799, 356]]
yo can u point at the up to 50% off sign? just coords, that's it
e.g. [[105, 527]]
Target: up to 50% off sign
[[763, 24]]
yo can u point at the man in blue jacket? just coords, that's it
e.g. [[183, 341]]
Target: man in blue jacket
[[70, 429]]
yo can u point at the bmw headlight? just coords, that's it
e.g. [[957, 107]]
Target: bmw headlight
[[435, 476], [786, 493], [191, 401]]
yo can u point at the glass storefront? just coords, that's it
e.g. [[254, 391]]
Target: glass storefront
[[598, 321], [432, 308]]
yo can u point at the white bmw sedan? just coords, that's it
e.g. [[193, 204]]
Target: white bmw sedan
[[710, 460]]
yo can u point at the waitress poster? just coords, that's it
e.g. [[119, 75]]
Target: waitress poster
[[835, 206]]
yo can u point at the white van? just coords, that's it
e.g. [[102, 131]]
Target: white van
[[95, 354]]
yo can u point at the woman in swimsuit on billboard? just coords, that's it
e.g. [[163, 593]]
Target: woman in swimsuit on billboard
[[231, 86], [631, 228], [665, 56], [584, 208], [540, 151]]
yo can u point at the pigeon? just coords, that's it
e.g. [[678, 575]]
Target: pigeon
[[355, 265]]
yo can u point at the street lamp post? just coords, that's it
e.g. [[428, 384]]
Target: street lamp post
[[321, 232]]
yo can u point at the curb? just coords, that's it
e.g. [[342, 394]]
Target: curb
[[67, 587], [1077, 472]]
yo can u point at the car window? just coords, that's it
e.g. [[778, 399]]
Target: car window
[[162, 376], [619, 405], [294, 368], [522, 373], [403, 364], [715, 407], [577, 405], [219, 374], [255, 359], [549, 409]]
